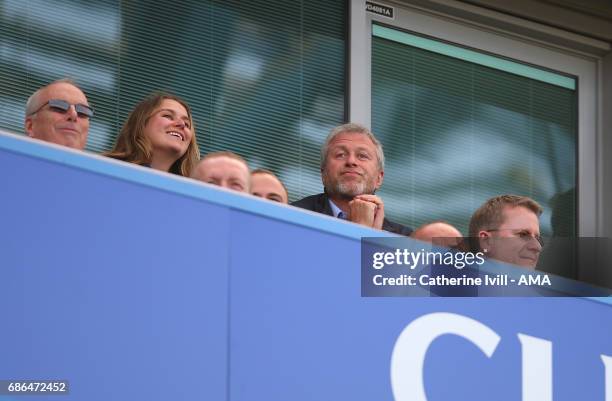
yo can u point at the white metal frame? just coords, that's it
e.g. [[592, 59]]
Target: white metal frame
[[564, 52]]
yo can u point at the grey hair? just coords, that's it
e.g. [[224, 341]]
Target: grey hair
[[353, 129], [32, 103]]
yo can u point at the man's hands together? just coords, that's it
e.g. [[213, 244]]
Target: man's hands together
[[367, 210]]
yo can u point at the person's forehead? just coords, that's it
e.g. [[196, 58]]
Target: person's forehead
[[265, 179], [520, 217], [224, 164], [442, 230], [172, 105], [352, 140], [63, 91], [268, 183]]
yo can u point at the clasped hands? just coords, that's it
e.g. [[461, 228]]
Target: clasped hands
[[367, 210]]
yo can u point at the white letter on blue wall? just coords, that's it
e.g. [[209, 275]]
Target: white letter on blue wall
[[537, 368], [607, 361], [408, 355]]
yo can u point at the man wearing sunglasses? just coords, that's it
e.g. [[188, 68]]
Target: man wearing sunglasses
[[59, 113], [507, 228]]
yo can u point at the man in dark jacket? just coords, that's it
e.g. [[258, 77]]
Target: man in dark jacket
[[352, 169]]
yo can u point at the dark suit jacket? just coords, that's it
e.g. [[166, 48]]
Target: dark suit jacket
[[320, 203]]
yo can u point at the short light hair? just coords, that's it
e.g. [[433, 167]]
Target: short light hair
[[228, 154], [268, 172], [353, 128], [490, 215], [33, 101]]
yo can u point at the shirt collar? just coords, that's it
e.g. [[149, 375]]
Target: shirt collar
[[335, 209]]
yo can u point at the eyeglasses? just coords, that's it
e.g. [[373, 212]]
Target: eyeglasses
[[523, 234], [62, 106]]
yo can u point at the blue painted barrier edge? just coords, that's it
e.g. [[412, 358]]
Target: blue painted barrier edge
[[186, 187], [182, 186]]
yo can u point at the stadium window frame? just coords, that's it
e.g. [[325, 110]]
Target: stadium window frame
[[515, 39]]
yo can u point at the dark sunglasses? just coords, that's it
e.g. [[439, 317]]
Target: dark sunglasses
[[62, 106]]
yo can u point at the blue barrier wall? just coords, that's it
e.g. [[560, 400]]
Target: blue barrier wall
[[132, 284]]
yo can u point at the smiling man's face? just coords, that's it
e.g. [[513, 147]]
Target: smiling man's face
[[67, 128], [351, 166]]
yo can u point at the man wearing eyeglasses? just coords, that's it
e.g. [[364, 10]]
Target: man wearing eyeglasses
[[507, 228], [59, 113]]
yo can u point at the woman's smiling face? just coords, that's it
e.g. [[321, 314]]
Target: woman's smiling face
[[169, 129]]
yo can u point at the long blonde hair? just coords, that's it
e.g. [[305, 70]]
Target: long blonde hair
[[134, 147]]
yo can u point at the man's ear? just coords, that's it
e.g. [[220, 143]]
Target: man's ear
[[27, 125], [484, 240], [379, 181]]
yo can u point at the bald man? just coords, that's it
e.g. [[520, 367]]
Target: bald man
[[59, 113], [440, 233]]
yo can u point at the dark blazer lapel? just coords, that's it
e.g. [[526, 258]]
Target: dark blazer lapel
[[323, 204]]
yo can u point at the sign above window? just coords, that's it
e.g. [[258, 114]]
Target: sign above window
[[380, 9]]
